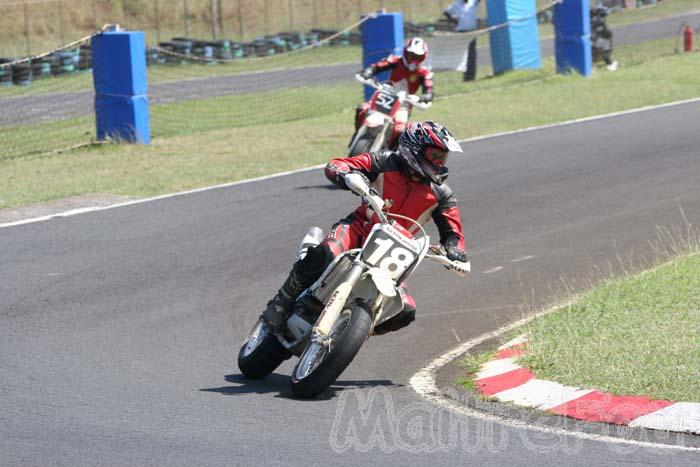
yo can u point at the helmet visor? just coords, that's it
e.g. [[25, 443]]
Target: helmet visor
[[436, 156], [414, 58]]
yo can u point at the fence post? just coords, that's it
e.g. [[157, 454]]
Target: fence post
[[213, 19], [187, 20], [26, 30], [220, 13], [291, 14], [94, 15], [157, 12], [240, 20], [60, 22], [119, 77]]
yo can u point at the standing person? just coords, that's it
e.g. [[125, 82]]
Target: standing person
[[464, 14]]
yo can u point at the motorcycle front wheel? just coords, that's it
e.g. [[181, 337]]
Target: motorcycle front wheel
[[321, 364], [361, 146], [261, 353]]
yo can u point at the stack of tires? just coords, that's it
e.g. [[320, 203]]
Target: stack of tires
[[5, 72], [22, 74]]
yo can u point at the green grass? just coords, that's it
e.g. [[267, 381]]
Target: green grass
[[638, 335], [470, 365], [219, 140]]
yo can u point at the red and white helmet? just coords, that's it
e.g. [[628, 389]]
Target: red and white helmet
[[414, 53]]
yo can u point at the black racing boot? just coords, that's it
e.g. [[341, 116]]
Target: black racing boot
[[303, 274]]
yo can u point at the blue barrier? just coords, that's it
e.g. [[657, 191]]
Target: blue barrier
[[381, 36], [572, 45], [516, 46], [119, 76]]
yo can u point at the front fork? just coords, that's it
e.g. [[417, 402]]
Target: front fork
[[336, 303]]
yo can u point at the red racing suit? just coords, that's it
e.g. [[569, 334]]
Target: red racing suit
[[420, 77], [405, 196]]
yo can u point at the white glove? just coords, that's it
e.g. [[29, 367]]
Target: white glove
[[357, 183]]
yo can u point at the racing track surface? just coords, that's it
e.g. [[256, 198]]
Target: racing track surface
[[119, 329], [446, 52]]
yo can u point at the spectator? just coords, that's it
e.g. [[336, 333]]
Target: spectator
[[601, 38], [463, 13]]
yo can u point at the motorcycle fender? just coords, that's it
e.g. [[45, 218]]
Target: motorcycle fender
[[374, 119], [384, 283]]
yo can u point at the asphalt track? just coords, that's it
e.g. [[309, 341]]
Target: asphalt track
[[446, 51], [119, 329]]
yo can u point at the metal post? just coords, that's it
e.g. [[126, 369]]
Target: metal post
[[186, 15], [157, 12], [291, 15], [240, 20], [60, 21], [124, 12], [315, 14], [359, 7], [213, 19], [26, 30], [267, 20], [337, 13], [221, 18], [94, 15]]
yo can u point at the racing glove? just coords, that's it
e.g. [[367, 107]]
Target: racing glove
[[367, 73], [426, 98], [454, 253], [357, 183]]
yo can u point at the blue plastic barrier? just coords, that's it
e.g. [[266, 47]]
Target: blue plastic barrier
[[572, 45], [381, 36], [119, 76], [516, 46]]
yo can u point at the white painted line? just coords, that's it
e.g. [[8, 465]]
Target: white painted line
[[492, 270], [74, 212], [424, 383], [522, 258], [281, 174], [681, 416], [497, 367], [581, 120], [541, 394], [513, 342]]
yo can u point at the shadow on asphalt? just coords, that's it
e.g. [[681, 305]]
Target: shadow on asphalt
[[328, 186], [278, 383]]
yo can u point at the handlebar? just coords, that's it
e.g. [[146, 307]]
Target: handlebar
[[412, 98], [438, 255]]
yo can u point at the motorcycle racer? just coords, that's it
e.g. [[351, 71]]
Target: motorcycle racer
[[407, 71], [412, 181]]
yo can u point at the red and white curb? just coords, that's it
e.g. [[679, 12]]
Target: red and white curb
[[504, 380]]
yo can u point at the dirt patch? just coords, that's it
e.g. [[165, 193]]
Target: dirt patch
[[60, 205]]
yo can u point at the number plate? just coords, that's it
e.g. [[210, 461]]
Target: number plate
[[390, 251], [385, 102]]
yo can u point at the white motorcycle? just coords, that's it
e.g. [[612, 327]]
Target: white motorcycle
[[359, 290], [387, 105]]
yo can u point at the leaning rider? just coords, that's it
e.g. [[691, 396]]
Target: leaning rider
[[407, 72], [412, 181]]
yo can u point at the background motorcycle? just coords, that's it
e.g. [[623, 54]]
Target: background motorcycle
[[359, 290], [386, 106]]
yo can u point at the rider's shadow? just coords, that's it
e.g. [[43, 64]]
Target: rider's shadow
[[278, 383]]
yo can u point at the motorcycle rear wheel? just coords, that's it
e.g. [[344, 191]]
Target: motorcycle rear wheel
[[319, 367], [261, 353]]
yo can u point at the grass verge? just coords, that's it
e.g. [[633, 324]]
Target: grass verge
[[638, 335], [216, 148]]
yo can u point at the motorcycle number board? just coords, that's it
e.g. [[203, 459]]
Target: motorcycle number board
[[389, 250], [385, 102]]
